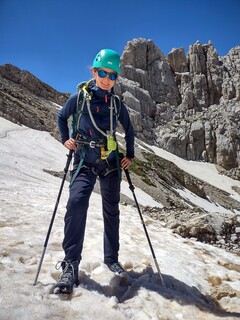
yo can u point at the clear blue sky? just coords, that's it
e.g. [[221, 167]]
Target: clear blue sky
[[56, 40]]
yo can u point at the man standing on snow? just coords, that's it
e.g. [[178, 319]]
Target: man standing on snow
[[95, 155]]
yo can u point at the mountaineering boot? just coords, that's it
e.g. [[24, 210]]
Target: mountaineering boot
[[116, 268], [69, 277]]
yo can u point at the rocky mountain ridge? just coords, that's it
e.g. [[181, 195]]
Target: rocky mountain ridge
[[188, 104], [26, 100]]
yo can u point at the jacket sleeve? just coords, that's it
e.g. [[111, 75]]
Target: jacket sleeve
[[67, 110], [125, 121]]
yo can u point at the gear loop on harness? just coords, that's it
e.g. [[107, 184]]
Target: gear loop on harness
[[81, 141]]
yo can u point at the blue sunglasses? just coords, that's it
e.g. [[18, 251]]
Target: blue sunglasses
[[103, 74]]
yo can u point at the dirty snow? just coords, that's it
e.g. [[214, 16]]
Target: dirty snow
[[201, 282]]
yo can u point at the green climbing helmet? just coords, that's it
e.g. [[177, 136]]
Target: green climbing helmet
[[109, 59]]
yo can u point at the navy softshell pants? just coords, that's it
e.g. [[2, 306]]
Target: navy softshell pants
[[76, 215]]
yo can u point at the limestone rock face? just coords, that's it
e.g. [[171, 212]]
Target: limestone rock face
[[143, 61], [30, 82], [24, 99], [187, 104]]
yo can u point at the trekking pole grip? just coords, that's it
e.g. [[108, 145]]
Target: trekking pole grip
[[131, 186], [69, 156]]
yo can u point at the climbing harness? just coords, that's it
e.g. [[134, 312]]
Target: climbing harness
[[110, 145]]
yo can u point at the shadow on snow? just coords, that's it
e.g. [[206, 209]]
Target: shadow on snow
[[125, 289]]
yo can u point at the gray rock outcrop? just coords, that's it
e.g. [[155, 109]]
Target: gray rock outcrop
[[26, 100], [188, 104]]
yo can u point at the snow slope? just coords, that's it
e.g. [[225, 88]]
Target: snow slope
[[202, 282]]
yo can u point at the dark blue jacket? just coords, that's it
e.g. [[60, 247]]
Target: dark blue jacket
[[100, 107]]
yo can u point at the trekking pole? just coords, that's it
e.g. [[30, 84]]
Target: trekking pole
[[69, 158], [131, 187]]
